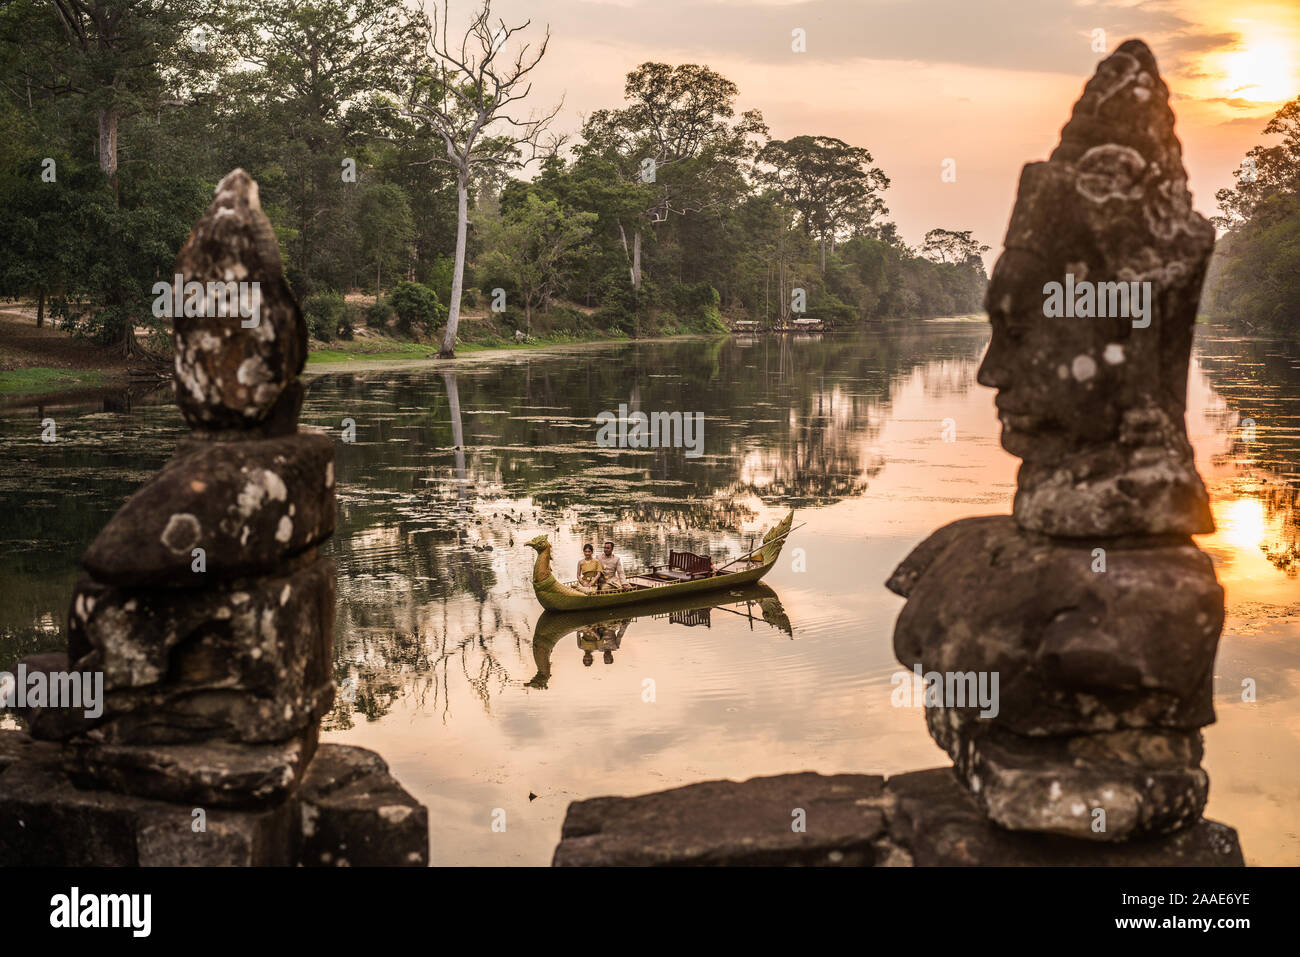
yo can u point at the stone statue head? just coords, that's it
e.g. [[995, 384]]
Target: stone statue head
[[1093, 303]]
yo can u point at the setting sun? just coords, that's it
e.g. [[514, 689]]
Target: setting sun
[[1263, 72]]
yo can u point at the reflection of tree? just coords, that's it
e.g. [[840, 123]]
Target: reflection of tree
[[421, 664], [56, 496], [457, 431], [448, 467]]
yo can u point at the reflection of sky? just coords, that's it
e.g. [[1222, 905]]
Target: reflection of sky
[[735, 701], [1252, 753], [437, 626]]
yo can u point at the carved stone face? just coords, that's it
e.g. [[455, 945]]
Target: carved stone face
[[1092, 304], [1062, 382], [539, 543]]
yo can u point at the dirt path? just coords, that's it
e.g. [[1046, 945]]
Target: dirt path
[[23, 346]]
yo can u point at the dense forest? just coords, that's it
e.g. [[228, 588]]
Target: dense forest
[[410, 172], [1254, 277]]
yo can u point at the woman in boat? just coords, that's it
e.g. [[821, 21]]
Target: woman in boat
[[590, 571]]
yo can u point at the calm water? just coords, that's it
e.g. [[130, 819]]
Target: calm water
[[479, 704]]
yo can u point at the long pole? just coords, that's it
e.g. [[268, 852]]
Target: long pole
[[764, 545]]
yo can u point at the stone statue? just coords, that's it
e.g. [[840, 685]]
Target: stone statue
[[209, 612], [1093, 402], [1092, 603]]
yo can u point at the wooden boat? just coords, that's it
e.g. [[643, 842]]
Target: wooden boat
[[683, 574], [554, 626]]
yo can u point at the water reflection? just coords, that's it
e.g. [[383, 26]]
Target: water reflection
[[1250, 448], [448, 665], [603, 632]]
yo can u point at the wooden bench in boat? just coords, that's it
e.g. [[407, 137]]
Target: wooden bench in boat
[[683, 566]]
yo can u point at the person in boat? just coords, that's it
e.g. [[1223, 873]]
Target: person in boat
[[590, 571], [612, 578]]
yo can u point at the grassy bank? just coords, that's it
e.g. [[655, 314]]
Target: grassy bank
[[397, 350], [38, 380]]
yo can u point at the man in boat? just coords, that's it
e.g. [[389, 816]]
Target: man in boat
[[612, 578], [590, 571]]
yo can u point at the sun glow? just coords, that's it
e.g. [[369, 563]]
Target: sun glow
[[1243, 522], [1261, 71]]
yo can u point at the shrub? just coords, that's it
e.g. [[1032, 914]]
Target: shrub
[[323, 313], [380, 314], [417, 307], [694, 299], [352, 315], [696, 307]]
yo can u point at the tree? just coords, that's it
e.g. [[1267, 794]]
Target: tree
[[530, 244], [40, 241], [310, 102], [944, 245], [115, 59], [463, 94], [677, 142], [1267, 170], [1252, 276], [830, 183], [384, 220]]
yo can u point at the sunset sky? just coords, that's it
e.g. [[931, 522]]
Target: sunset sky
[[988, 83]]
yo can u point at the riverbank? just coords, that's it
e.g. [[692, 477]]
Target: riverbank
[[36, 363], [35, 360]]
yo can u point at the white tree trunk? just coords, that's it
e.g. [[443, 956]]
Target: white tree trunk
[[448, 349], [636, 259]]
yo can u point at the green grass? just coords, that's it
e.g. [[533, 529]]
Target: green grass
[[373, 350], [36, 381]]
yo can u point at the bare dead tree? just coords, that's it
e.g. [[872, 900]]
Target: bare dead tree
[[464, 94]]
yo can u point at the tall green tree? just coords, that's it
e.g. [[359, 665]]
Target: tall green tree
[[96, 78], [386, 227], [830, 183], [950, 246], [1266, 170], [530, 244], [678, 141], [308, 105], [1253, 274]]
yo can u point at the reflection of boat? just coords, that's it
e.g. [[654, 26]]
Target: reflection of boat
[[684, 574], [604, 630]]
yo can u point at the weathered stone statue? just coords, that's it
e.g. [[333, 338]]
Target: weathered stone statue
[[1092, 401], [1093, 605], [209, 612]]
